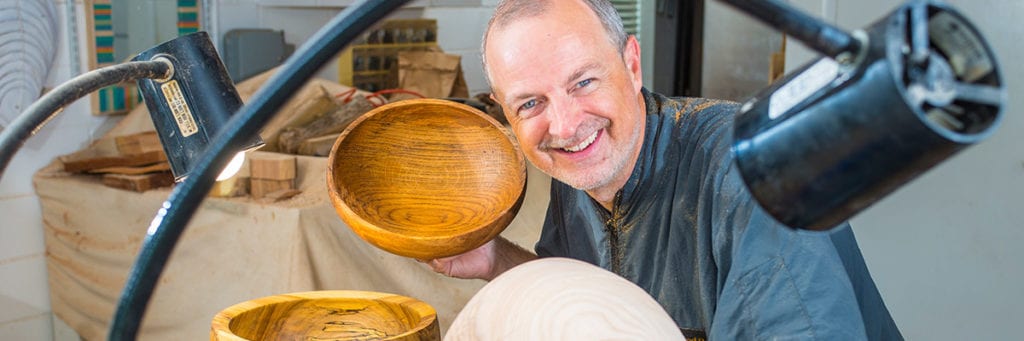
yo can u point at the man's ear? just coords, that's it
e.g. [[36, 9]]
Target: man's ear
[[631, 56]]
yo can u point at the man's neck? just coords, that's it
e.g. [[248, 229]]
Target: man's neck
[[607, 200]]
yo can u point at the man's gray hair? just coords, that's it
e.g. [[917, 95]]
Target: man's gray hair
[[509, 11]]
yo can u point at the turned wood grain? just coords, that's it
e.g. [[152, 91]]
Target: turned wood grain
[[426, 178], [328, 315], [562, 299]]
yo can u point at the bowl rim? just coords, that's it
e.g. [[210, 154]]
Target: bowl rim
[[366, 229], [221, 323]]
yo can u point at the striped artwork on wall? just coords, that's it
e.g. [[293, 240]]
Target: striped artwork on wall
[[119, 99], [188, 17]]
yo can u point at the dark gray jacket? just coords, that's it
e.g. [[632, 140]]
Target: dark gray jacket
[[685, 229]]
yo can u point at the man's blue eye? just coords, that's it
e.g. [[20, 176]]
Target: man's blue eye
[[583, 83], [530, 104]]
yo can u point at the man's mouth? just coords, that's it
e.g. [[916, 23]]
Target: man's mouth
[[583, 144]]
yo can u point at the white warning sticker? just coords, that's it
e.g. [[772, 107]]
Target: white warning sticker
[[802, 86], [182, 114]]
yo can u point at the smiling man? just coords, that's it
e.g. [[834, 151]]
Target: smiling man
[[644, 186]]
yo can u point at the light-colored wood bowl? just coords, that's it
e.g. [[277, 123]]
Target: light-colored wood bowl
[[327, 315], [426, 178]]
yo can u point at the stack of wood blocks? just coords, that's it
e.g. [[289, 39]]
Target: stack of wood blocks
[[272, 176], [138, 164]]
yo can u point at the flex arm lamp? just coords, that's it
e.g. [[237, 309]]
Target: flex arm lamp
[[883, 106]]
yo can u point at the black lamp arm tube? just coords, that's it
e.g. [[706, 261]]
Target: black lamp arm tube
[[816, 34], [50, 105], [176, 212]]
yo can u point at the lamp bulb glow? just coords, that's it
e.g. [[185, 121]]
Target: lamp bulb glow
[[233, 167]]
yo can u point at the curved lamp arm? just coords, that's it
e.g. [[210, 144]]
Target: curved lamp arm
[[175, 213], [50, 105]]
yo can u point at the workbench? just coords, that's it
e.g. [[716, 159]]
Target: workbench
[[234, 249]]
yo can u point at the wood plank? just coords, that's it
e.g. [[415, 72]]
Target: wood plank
[[271, 166], [138, 182], [139, 143], [262, 187], [86, 161], [318, 146], [156, 167]]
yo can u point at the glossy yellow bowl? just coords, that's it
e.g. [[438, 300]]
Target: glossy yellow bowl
[[327, 315], [426, 178]]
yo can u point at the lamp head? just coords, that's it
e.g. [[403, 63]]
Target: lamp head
[[190, 107], [835, 137]]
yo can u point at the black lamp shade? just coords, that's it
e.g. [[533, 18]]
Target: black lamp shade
[[833, 138], [189, 108]]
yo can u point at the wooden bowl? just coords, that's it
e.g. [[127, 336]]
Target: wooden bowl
[[426, 178], [327, 315]]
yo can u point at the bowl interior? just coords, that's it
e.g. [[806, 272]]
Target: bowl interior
[[356, 317], [427, 169]]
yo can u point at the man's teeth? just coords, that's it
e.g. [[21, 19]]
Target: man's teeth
[[583, 145]]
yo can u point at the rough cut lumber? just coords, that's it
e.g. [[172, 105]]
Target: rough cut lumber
[[310, 103], [318, 146], [138, 182], [335, 122], [271, 166], [156, 167], [261, 187], [139, 143], [86, 160]]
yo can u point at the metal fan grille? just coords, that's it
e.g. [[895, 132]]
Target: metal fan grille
[[28, 45]]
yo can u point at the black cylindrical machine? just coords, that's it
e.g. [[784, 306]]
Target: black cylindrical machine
[[841, 133], [192, 105]]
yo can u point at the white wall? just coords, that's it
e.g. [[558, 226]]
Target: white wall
[[460, 25], [946, 249], [25, 312]]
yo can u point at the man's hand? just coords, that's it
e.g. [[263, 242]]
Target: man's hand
[[485, 262]]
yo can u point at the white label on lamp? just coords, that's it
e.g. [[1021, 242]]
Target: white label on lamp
[[182, 115], [802, 86]]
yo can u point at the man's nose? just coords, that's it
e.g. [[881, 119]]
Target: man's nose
[[566, 116]]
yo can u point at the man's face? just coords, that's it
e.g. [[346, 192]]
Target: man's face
[[572, 98]]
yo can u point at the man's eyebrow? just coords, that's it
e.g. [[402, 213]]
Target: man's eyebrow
[[520, 97], [580, 71]]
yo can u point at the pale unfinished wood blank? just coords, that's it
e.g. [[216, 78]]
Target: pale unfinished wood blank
[[562, 299], [328, 315], [138, 182], [271, 166], [262, 187]]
